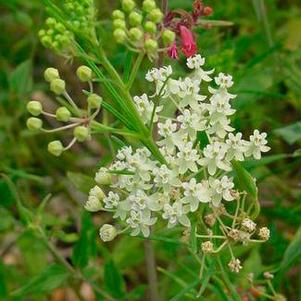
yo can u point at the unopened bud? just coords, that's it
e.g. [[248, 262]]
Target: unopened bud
[[34, 123], [264, 233], [103, 177], [50, 74], [50, 22], [156, 15], [34, 108], [207, 11], [84, 73], [118, 14], [63, 114], [58, 86], [107, 232], [151, 45], [94, 101], [55, 148], [128, 5], [119, 35], [136, 34], [207, 247], [168, 37], [150, 27], [46, 41], [119, 23], [81, 133], [135, 19], [148, 5]]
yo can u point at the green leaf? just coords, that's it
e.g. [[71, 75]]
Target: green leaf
[[246, 183], [52, 277], [85, 248], [203, 139], [82, 182], [293, 251], [290, 133], [113, 280], [3, 288], [21, 79]]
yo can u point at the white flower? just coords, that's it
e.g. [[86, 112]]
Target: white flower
[[224, 81], [111, 200], [237, 147], [175, 213], [234, 265], [158, 74], [95, 198], [248, 224], [207, 247], [146, 107], [103, 177], [194, 193], [187, 158], [166, 178], [192, 122], [196, 62], [264, 233], [107, 232], [214, 158], [140, 221], [166, 130], [257, 145], [157, 201], [221, 189]]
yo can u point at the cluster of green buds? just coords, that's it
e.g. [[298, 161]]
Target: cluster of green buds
[[141, 29], [56, 37], [81, 15], [76, 119]]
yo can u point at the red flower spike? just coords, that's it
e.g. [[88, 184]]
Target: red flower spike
[[173, 51], [208, 11], [189, 47]]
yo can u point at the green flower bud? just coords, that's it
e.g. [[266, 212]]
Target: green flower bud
[[168, 37], [148, 5], [156, 15], [118, 23], [41, 33], [135, 19], [50, 32], [107, 232], [118, 14], [81, 133], [62, 114], [50, 22], [94, 101], [136, 34], [128, 5], [34, 108], [151, 45], [46, 41], [34, 124], [150, 27], [84, 73], [58, 86], [119, 35], [50, 74], [60, 27], [55, 148]]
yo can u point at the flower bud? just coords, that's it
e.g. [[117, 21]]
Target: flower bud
[[119, 35], [50, 22], [151, 45], [58, 86], [60, 27], [81, 133], [94, 101], [135, 19], [156, 15], [94, 203], [50, 74], [136, 34], [168, 37], [84, 73], [148, 5], [118, 23], [62, 114], [150, 27], [41, 33], [34, 124], [34, 108], [107, 232], [118, 14], [128, 5], [207, 247], [46, 41], [55, 148], [103, 177], [264, 233]]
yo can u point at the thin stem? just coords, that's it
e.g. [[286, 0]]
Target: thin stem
[[151, 270], [62, 128], [70, 100], [135, 70]]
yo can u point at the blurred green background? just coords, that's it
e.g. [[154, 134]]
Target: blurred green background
[[262, 50]]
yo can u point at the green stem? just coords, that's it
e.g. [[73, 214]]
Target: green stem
[[135, 70]]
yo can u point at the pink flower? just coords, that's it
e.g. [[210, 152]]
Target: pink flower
[[188, 44], [173, 51]]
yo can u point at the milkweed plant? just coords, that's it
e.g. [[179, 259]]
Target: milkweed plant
[[179, 169]]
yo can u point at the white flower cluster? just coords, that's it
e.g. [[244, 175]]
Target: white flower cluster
[[144, 190]]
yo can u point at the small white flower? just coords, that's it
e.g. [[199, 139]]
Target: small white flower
[[195, 62], [248, 224], [166, 178], [214, 158], [224, 81], [103, 177], [194, 193], [107, 232], [207, 247], [166, 130], [237, 147], [221, 189], [257, 145], [111, 201], [157, 201], [175, 213], [187, 158], [264, 233], [159, 76], [234, 265]]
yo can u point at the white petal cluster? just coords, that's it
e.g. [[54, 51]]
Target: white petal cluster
[[195, 173]]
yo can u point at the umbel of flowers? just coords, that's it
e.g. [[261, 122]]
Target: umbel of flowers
[[199, 146]]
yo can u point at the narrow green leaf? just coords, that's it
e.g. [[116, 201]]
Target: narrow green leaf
[[127, 66], [82, 182], [203, 139], [52, 277], [21, 79]]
